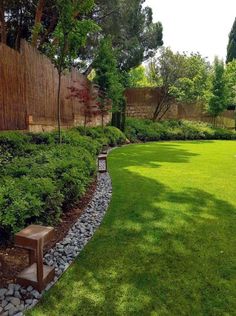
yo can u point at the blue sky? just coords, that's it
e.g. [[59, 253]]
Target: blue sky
[[192, 26]]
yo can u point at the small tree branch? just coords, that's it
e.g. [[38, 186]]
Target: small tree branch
[[106, 15], [88, 70], [38, 16]]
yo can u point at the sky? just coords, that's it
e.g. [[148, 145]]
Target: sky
[[195, 25]]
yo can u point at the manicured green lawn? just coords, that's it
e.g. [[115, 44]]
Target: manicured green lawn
[[167, 245]]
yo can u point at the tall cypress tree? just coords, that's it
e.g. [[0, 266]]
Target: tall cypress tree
[[231, 49], [109, 78], [218, 101]]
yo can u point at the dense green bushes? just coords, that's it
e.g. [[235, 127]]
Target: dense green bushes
[[145, 130], [110, 135], [39, 178]]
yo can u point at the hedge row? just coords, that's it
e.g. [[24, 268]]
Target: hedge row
[[40, 179], [146, 130]]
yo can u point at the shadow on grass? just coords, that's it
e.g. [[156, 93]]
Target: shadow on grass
[[158, 251], [153, 156]]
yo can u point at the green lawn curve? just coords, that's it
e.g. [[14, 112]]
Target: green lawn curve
[[167, 245]]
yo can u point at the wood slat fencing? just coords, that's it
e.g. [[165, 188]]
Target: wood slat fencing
[[28, 91], [141, 103]]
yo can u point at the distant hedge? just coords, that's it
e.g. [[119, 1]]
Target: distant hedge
[[146, 130], [40, 179]]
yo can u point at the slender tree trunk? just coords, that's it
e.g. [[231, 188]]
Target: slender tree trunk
[[59, 106], [88, 70], [159, 107], [102, 120], [2, 24], [214, 121], [158, 110], [60, 70], [37, 21], [19, 31], [165, 111]]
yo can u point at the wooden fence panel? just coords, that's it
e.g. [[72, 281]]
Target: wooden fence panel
[[28, 90], [141, 103], [12, 90]]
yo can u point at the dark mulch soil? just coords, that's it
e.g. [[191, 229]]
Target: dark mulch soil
[[13, 260]]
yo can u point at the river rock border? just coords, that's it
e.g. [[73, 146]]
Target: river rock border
[[15, 299]]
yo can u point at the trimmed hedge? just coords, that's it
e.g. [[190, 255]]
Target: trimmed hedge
[[40, 179], [146, 130]]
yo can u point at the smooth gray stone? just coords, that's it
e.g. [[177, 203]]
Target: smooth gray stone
[[4, 303], [29, 301], [9, 306], [3, 292], [15, 301], [10, 292], [12, 311], [30, 288]]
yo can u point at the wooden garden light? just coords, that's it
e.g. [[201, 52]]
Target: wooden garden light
[[102, 163], [33, 238]]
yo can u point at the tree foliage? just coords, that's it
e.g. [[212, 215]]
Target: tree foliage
[[137, 77], [17, 20], [131, 27], [132, 30], [87, 96], [219, 92], [108, 76], [230, 77], [231, 48], [69, 35], [182, 78]]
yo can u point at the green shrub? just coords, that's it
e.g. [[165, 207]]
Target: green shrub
[[72, 137], [74, 169], [27, 200], [145, 130], [114, 135], [93, 132], [13, 142], [40, 178], [42, 138], [108, 135]]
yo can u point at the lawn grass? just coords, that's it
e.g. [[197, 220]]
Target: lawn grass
[[167, 245]]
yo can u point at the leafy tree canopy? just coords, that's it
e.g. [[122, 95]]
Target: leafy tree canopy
[[230, 75], [231, 48], [181, 77], [132, 30], [70, 33], [137, 77], [219, 92], [186, 78], [107, 75], [131, 27]]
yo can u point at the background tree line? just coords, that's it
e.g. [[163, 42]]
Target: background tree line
[[109, 42], [190, 78], [76, 33]]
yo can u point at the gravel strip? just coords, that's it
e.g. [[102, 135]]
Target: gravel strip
[[15, 299]]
